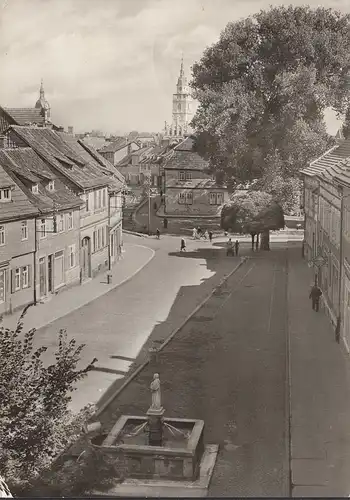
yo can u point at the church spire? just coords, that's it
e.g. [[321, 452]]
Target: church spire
[[42, 92], [182, 66]]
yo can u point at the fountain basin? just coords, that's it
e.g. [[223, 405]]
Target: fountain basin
[[177, 459]]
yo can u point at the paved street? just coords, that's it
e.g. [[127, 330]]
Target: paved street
[[229, 366], [115, 326]]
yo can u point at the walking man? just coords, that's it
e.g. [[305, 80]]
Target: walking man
[[183, 245], [206, 234], [210, 236], [315, 295], [229, 249], [194, 233], [236, 247], [158, 234]]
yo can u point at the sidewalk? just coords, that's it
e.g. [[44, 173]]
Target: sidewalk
[[320, 375], [134, 258]]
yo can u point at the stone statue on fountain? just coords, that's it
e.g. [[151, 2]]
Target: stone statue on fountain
[[156, 395]]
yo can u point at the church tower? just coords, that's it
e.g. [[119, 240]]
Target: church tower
[[42, 104], [182, 107]]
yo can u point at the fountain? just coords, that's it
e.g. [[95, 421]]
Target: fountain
[[157, 454]]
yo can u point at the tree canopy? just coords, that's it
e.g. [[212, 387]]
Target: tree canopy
[[262, 91], [252, 212], [36, 423]]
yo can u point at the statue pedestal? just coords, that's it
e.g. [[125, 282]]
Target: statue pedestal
[[155, 426]]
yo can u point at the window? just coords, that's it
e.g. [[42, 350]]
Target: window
[[5, 195], [51, 186], [42, 228], [25, 277], [188, 176], [17, 279], [69, 220], [100, 238], [182, 176], [87, 202], [186, 198], [24, 228], [2, 235], [71, 256], [216, 198], [35, 189], [61, 223], [104, 198]]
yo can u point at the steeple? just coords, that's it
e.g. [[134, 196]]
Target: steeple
[[42, 103], [182, 80], [182, 66]]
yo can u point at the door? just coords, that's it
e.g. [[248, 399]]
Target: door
[[50, 273], [59, 269], [86, 258], [42, 277]]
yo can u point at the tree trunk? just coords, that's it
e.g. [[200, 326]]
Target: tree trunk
[[252, 235], [265, 240], [257, 242]]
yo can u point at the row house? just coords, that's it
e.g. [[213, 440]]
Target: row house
[[117, 149], [189, 190], [327, 231], [78, 195]]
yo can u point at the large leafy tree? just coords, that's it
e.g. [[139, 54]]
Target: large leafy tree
[[262, 91], [255, 213], [36, 423]]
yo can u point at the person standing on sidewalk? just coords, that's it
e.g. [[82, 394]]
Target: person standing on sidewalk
[[206, 234], [236, 247], [315, 295], [158, 234], [210, 234], [194, 233], [183, 245], [229, 249]]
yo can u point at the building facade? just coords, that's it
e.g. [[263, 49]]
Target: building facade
[[327, 232], [189, 190], [116, 150]]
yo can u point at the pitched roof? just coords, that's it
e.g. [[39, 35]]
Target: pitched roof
[[63, 157], [25, 116], [44, 200], [20, 206], [115, 145], [183, 157], [28, 164], [96, 142]]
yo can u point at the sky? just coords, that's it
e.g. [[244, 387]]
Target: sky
[[112, 65]]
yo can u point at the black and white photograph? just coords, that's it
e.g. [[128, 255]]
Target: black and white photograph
[[174, 248]]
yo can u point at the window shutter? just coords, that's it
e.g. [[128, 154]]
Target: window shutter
[[13, 280], [29, 276]]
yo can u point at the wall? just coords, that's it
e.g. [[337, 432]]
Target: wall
[[13, 254], [200, 205], [53, 243]]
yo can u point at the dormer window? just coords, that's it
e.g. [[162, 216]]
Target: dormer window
[[5, 195], [35, 189], [51, 186]]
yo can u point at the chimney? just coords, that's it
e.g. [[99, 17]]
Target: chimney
[[3, 142], [70, 130]]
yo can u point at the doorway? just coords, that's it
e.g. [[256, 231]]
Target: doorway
[[50, 273], [86, 258], [59, 269]]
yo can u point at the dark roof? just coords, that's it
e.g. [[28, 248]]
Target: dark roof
[[183, 157], [115, 145], [28, 162], [52, 146], [44, 200], [20, 206], [25, 116], [330, 159]]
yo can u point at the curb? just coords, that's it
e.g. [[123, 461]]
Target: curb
[[134, 233], [166, 342]]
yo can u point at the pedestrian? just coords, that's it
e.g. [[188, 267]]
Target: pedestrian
[[226, 233], [315, 295], [199, 232], [210, 234], [194, 233], [158, 234], [206, 234], [183, 245], [236, 247], [229, 248]]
